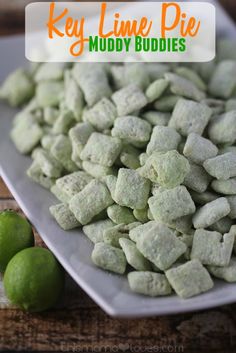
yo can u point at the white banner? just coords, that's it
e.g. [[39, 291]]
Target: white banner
[[120, 31]]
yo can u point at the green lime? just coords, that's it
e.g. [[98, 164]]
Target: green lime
[[15, 234], [34, 279]]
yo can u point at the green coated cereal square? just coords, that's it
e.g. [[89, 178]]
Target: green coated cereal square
[[93, 81], [72, 184], [48, 164], [149, 283], [101, 149], [129, 99], [198, 148], [109, 258], [17, 88], [197, 179], [64, 216], [61, 150], [222, 129], [189, 116], [211, 212], [26, 135], [120, 214], [94, 198], [222, 166], [189, 279], [94, 231], [184, 87], [160, 246], [156, 89], [48, 93], [163, 139], [35, 173], [169, 204], [227, 273], [102, 115], [132, 129], [212, 248], [133, 255], [132, 190]]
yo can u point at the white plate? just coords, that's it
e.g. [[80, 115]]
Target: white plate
[[72, 248]]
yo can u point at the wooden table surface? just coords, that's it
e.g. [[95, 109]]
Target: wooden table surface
[[79, 325]]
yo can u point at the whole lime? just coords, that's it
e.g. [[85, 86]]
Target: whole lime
[[15, 234], [34, 279]]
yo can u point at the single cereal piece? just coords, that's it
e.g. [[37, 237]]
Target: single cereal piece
[[35, 173], [211, 212], [198, 148], [49, 71], [119, 214], [183, 87], [222, 166], [136, 73], [192, 76], [63, 123], [212, 248], [131, 190], [72, 184], [223, 81], [149, 283], [168, 205], [132, 129], [166, 103], [227, 273], [160, 246], [61, 150], [129, 99], [222, 129], [50, 115], [93, 81], [64, 216], [26, 136], [89, 202], [189, 116], [101, 149], [156, 118], [94, 231], [74, 99], [136, 232], [102, 115], [47, 141], [232, 202], [163, 139], [48, 93], [17, 88], [156, 89], [226, 187], [189, 279], [197, 179], [109, 258], [48, 164], [166, 169], [134, 256]]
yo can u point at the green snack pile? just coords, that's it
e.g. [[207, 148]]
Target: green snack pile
[[144, 162]]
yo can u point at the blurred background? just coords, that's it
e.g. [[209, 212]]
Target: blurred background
[[12, 14]]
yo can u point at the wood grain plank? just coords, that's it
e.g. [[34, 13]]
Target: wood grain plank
[[4, 192]]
